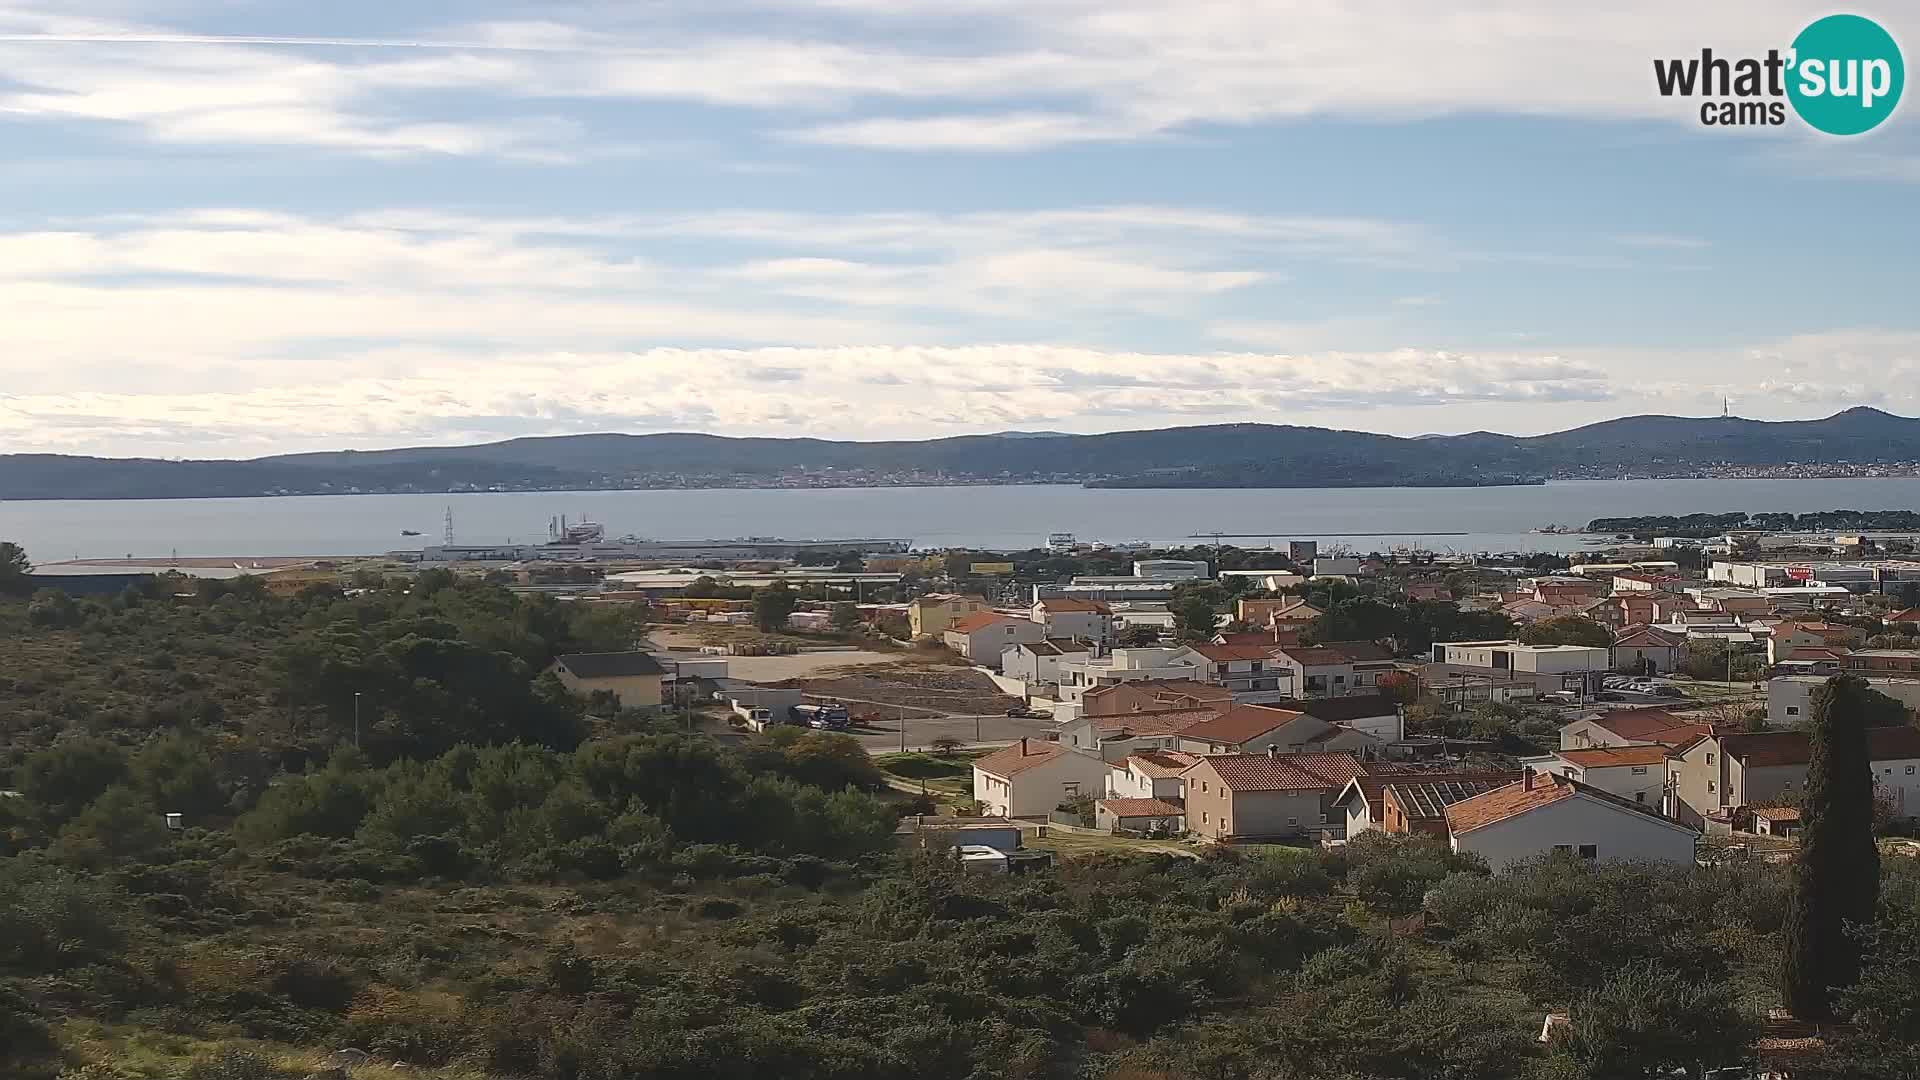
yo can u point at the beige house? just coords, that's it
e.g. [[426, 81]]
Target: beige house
[[1719, 773], [632, 677], [1791, 635], [1262, 795], [930, 615], [1031, 777]]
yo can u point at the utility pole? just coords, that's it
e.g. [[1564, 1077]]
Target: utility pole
[[356, 719], [903, 728]]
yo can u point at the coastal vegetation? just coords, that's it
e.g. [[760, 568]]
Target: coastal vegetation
[[486, 877], [1706, 525]]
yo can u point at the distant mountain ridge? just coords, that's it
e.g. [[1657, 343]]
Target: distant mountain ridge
[[1220, 455]]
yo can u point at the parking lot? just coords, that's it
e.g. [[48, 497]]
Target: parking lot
[[881, 736]]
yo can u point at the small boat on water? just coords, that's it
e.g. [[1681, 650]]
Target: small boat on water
[[409, 532]]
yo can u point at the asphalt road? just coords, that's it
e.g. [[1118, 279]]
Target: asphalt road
[[881, 736]]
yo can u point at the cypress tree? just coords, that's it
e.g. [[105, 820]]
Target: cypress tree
[[1836, 876]]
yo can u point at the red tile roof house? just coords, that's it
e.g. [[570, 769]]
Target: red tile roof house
[[1239, 668], [1149, 774], [1256, 729], [1363, 801], [1031, 777], [1713, 777], [1248, 796], [1141, 695], [1645, 650], [1112, 738], [1636, 773], [1074, 618], [1318, 671], [1139, 815], [984, 635], [1542, 814], [1633, 727], [1909, 617]]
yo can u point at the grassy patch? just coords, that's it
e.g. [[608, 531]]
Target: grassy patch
[[1068, 844], [915, 765]]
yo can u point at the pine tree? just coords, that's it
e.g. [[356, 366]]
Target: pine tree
[[1836, 877]]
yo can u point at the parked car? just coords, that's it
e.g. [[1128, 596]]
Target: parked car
[[1028, 712]]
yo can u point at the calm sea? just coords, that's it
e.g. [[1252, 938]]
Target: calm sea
[[1438, 519]]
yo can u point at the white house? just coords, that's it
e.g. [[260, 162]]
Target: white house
[[1149, 774], [1517, 657], [1031, 777], [983, 636], [1070, 618], [1037, 663], [1125, 665], [1171, 569], [1790, 697], [1242, 669], [1543, 813], [1635, 773]]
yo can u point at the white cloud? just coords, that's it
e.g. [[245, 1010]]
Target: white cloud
[[993, 76], [901, 390]]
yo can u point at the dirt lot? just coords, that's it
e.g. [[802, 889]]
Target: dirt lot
[[870, 689], [780, 669]]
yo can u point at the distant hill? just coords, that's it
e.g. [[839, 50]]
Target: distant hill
[[1221, 455]]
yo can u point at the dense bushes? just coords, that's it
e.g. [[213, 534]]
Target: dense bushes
[[526, 811]]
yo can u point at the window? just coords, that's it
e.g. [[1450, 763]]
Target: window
[[1071, 790], [1205, 817], [1639, 770], [1204, 787], [1793, 710], [1567, 848], [1589, 851], [1338, 679], [1639, 796], [1709, 757], [1710, 786], [1909, 770]]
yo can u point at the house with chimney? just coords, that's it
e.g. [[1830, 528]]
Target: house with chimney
[[1543, 814], [1420, 805], [1256, 729], [1032, 777], [1712, 778]]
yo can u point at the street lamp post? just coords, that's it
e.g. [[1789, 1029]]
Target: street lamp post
[[356, 719]]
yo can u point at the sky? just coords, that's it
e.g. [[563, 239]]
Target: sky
[[231, 227]]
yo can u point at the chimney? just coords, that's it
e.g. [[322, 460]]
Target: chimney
[[1273, 751], [1023, 746]]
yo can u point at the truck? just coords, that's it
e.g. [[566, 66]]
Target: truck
[[825, 716], [758, 717]]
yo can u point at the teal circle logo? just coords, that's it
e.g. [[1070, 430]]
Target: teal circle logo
[[1846, 75]]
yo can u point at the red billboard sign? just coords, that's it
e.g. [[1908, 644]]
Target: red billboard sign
[[1800, 573]]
